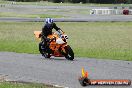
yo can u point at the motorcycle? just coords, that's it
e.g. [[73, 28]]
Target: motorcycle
[[57, 46]]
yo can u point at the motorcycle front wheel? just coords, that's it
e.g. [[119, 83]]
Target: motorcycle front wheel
[[69, 53]]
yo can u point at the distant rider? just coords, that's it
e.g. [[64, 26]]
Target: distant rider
[[47, 30]]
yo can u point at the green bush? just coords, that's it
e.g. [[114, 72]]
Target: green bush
[[78, 1], [57, 1], [75, 1]]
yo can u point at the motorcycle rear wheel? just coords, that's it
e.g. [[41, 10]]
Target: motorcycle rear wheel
[[46, 55], [43, 51]]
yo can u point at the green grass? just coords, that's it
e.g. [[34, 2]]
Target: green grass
[[11, 14], [23, 85], [108, 40]]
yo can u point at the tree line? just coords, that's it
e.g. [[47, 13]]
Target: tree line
[[82, 1]]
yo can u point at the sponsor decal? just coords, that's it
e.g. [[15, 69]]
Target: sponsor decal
[[85, 81]]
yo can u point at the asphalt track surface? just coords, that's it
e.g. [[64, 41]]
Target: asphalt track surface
[[90, 18], [59, 71]]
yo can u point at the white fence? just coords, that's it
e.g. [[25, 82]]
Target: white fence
[[109, 11]]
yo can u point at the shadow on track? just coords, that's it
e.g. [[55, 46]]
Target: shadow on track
[[58, 59]]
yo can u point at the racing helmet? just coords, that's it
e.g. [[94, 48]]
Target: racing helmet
[[49, 20]]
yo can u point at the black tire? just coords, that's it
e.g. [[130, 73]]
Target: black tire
[[46, 55], [41, 47], [43, 51], [69, 53]]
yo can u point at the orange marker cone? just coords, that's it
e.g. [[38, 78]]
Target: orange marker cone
[[84, 74]]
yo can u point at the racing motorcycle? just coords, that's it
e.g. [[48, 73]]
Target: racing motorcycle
[[57, 46]]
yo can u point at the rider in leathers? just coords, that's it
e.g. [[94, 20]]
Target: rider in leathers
[[47, 30]]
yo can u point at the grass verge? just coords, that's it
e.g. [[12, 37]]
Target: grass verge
[[23, 85], [111, 40], [11, 14]]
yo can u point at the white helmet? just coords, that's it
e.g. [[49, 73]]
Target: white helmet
[[49, 20]]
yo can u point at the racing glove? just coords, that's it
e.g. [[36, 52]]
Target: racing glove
[[60, 32]]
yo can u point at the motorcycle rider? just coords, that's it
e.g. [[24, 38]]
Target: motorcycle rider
[[47, 30]]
